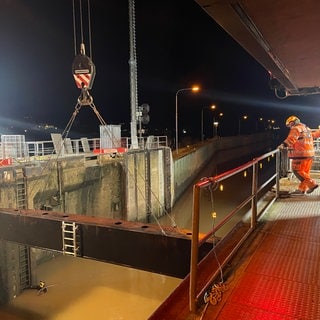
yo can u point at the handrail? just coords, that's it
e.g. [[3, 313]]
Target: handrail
[[253, 198], [20, 148]]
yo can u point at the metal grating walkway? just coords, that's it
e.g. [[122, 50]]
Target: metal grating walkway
[[279, 277]]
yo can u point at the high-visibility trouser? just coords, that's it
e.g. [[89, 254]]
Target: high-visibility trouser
[[301, 169]]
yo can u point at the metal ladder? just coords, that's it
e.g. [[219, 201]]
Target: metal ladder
[[69, 238], [21, 189], [24, 267]]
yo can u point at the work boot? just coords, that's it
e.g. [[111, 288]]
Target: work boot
[[296, 193], [312, 188]]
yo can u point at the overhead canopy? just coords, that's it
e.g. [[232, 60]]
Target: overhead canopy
[[282, 35]]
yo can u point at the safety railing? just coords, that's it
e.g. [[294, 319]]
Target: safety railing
[[150, 142], [251, 201], [38, 149], [44, 148]]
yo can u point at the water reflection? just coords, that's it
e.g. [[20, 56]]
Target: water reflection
[[218, 201]]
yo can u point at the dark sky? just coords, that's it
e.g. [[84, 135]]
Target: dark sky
[[178, 45]]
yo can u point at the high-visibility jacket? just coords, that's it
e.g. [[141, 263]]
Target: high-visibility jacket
[[316, 134], [299, 142]]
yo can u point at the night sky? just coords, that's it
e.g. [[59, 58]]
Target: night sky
[[178, 45]]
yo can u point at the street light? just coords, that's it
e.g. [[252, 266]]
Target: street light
[[194, 89], [212, 108], [244, 118], [259, 120], [215, 125], [270, 124]]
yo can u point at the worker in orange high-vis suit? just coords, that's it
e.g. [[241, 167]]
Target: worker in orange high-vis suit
[[301, 151]]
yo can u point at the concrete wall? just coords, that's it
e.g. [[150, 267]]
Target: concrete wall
[[188, 166], [83, 185], [149, 183], [9, 271]]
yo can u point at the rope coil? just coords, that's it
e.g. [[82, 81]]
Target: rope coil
[[214, 296]]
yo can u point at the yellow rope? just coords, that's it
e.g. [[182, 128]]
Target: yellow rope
[[215, 294]]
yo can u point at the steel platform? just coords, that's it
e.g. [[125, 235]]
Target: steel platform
[[274, 275]]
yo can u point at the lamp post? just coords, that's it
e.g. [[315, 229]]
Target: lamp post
[[244, 118], [270, 124], [212, 108], [215, 125], [194, 89], [259, 120]]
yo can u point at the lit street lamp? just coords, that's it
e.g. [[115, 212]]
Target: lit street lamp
[[215, 125], [270, 124], [194, 89], [244, 118], [258, 126], [212, 108]]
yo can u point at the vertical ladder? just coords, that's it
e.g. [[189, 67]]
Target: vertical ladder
[[69, 238], [24, 267], [21, 189]]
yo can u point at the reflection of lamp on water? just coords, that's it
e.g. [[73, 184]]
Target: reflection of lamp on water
[[194, 89]]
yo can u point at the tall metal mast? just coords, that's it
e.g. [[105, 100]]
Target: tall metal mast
[[133, 76]]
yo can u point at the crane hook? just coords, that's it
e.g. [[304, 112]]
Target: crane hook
[[83, 69]]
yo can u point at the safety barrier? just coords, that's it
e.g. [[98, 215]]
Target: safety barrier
[[252, 200], [39, 150]]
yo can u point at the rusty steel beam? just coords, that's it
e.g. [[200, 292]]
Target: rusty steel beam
[[140, 246]]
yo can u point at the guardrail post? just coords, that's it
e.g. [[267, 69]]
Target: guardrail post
[[252, 198], [194, 249], [278, 170], [254, 209]]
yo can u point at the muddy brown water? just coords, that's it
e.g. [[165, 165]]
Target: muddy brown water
[[87, 289]]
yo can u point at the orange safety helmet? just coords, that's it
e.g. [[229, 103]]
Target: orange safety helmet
[[293, 119]]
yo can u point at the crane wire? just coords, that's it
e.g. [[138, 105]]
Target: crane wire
[[81, 25], [89, 30], [74, 28], [81, 22]]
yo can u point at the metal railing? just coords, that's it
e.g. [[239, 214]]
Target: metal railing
[[251, 200], [27, 149], [43, 148], [151, 142]]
